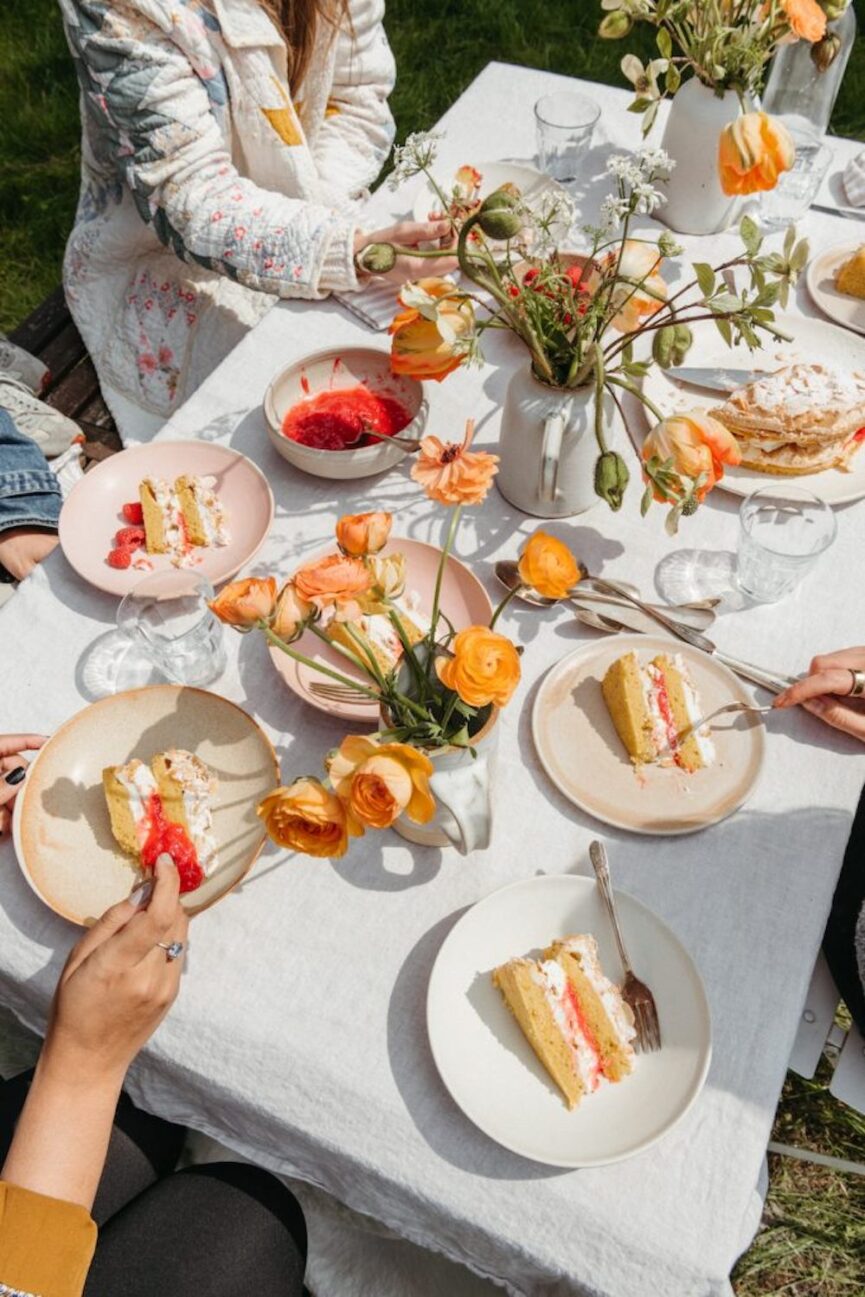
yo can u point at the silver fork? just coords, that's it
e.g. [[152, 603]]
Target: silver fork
[[728, 708], [341, 694], [635, 993]]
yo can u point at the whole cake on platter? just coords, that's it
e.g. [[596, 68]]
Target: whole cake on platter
[[571, 1014], [650, 705], [799, 419], [165, 806]]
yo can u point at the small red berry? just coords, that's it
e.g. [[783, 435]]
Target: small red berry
[[120, 557], [531, 275], [513, 291], [133, 513], [567, 318], [133, 537]]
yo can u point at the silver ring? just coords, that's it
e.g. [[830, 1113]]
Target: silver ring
[[858, 686], [173, 949]]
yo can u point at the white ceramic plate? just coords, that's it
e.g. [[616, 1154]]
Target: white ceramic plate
[[813, 340], [530, 182], [847, 311], [489, 1067], [584, 757]]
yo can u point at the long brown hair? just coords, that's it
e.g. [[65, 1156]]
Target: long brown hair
[[298, 20]]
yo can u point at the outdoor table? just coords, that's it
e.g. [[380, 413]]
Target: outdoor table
[[299, 1038]]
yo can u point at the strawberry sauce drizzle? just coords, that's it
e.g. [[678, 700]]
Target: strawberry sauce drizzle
[[340, 419], [164, 835]]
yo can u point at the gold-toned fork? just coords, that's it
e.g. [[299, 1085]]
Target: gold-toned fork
[[728, 708], [635, 993], [341, 694]]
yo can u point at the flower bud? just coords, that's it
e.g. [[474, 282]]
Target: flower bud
[[671, 345], [825, 52], [377, 258], [611, 478], [496, 216], [615, 26]]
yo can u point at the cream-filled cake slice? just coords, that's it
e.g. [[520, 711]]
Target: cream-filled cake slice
[[203, 513], [129, 790], [187, 788], [651, 705]]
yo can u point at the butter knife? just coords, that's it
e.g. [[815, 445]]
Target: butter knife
[[714, 379]]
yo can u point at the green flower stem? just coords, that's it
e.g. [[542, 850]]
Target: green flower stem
[[449, 540], [599, 398], [635, 391], [511, 594], [437, 190], [316, 666]]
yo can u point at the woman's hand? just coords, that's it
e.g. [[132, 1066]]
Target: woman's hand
[[13, 766], [21, 548], [825, 691], [409, 234]]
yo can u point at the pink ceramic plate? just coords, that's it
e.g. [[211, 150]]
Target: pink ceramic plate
[[463, 600], [92, 513]]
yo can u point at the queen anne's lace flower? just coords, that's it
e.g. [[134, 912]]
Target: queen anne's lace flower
[[416, 155]]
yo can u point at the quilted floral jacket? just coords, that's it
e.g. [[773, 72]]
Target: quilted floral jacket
[[210, 187]]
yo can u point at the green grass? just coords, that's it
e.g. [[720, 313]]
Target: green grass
[[812, 1243]]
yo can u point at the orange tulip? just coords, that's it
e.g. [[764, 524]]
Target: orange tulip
[[752, 153], [308, 817], [697, 444], [485, 667], [425, 347], [548, 566], [359, 534], [807, 20], [333, 581], [451, 473], [244, 603], [291, 613], [377, 782]]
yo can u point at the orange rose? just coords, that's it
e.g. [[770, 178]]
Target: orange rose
[[291, 613], [752, 153], [332, 581], [425, 333], [697, 444], [485, 667], [359, 534], [807, 20], [379, 781], [308, 817], [548, 566], [244, 603], [453, 474]]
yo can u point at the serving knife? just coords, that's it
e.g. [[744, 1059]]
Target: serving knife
[[713, 379]]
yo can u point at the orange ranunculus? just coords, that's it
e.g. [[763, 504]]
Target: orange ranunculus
[[308, 817], [548, 566], [359, 534], [485, 667], [697, 444], [807, 20], [451, 473], [244, 603], [291, 613], [752, 152], [639, 264], [423, 347], [332, 581], [377, 782]]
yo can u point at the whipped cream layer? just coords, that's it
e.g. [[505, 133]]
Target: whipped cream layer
[[213, 518], [198, 786], [139, 783], [614, 1006], [168, 505], [550, 977], [664, 729]]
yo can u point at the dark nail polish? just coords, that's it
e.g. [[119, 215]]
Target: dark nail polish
[[15, 776]]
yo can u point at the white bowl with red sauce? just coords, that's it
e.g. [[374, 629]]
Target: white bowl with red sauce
[[317, 407]]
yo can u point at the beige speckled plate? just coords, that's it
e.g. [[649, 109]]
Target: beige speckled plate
[[61, 828], [846, 310], [582, 754]]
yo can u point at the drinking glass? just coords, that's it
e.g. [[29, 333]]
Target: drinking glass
[[564, 122], [167, 616], [797, 188], [783, 531]]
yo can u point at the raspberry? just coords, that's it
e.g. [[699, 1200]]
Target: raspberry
[[119, 557], [133, 513], [129, 537]]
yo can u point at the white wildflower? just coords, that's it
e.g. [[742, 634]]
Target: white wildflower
[[613, 211], [646, 198], [655, 162], [416, 155]]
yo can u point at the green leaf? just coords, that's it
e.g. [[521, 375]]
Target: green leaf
[[750, 235], [705, 277], [726, 331], [671, 526], [665, 43], [640, 104], [789, 240], [799, 257], [646, 502], [673, 79], [651, 114]]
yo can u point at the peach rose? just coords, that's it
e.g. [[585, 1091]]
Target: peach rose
[[308, 817], [291, 613], [332, 581], [359, 534], [424, 334], [697, 444], [451, 473], [377, 782], [245, 603], [807, 20], [640, 264], [485, 667], [752, 153], [548, 566]]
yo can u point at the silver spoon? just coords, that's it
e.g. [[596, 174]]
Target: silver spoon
[[697, 616]]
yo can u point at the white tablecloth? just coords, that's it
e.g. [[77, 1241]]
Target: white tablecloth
[[300, 1038]]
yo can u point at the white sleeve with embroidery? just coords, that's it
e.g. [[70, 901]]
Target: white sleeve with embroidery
[[355, 137], [154, 115]]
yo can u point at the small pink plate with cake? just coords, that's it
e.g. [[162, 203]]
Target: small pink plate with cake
[[464, 601], [190, 504], [497, 1076]]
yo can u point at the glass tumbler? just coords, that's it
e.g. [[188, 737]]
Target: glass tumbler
[[783, 530], [797, 188], [166, 615], [564, 122]]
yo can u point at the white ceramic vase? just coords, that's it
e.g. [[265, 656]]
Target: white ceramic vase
[[695, 202], [547, 446]]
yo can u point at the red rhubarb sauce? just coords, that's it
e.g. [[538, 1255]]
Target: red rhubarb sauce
[[164, 835], [343, 418]]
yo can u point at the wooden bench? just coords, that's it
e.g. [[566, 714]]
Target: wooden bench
[[72, 387]]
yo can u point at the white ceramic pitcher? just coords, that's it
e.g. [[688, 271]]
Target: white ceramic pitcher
[[547, 446], [695, 203]]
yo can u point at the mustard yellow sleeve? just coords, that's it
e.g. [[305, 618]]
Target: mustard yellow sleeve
[[46, 1245]]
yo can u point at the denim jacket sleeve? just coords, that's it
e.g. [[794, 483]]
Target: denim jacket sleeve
[[29, 492]]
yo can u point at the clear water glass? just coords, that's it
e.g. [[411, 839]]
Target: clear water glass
[[783, 530], [167, 616], [564, 122], [797, 188]]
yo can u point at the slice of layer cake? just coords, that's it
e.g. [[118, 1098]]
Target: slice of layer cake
[[128, 791], [181, 515], [187, 788], [203, 514], [573, 1017], [850, 275], [377, 632], [651, 705]]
